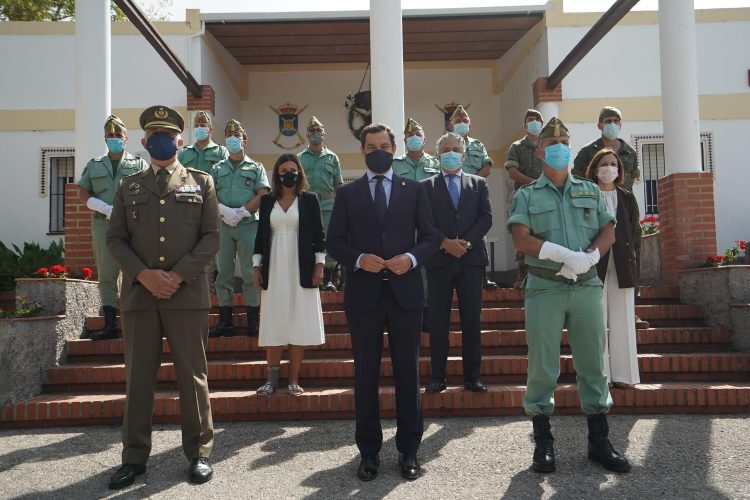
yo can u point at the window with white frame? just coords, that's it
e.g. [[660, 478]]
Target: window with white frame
[[650, 149], [61, 172]]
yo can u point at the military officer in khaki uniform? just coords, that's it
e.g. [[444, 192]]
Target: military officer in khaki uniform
[[240, 184], [97, 187], [163, 232], [323, 172], [562, 224], [524, 167], [416, 164], [204, 153], [476, 160], [610, 121]]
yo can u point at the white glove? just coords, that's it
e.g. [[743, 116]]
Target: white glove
[[99, 206], [580, 262], [229, 215], [567, 272], [553, 251], [242, 212]]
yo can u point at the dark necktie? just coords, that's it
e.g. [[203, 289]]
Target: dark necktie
[[161, 179], [380, 204], [453, 190]]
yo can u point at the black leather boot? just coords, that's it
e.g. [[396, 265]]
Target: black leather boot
[[544, 452], [327, 284], [110, 330], [225, 326], [489, 285], [600, 449], [253, 314]]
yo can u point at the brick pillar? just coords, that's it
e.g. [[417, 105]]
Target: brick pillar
[[687, 222], [79, 251], [543, 94], [206, 102]]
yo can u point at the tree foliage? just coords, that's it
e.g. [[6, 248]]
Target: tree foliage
[[65, 10]]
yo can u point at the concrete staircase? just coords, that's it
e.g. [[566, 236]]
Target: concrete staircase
[[686, 367]]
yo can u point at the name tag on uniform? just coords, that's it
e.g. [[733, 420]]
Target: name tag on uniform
[[188, 188], [246, 167]]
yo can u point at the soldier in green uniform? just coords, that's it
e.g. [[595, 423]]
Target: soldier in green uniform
[[416, 164], [562, 224], [97, 187], [524, 167], [323, 172], [164, 231], [610, 121], [240, 184], [204, 153], [476, 159]]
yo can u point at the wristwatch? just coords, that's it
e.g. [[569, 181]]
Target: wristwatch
[[468, 245]]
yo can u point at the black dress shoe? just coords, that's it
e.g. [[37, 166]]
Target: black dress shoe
[[368, 467], [200, 470], [435, 386], [125, 476], [409, 466], [474, 386]]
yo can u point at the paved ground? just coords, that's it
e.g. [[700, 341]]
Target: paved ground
[[681, 457]]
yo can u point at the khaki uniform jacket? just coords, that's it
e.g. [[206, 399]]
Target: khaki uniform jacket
[[177, 231]]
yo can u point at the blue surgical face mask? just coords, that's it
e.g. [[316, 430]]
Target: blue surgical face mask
[[316, 138], [557, 156], [200, 133], [379, 161], [461, 128], [414, 142], [234, 144], [161, 146], [115, 145], [534, 127], [450, 160], [611, 131]]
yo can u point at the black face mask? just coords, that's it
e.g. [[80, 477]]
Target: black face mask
[[290, 179]]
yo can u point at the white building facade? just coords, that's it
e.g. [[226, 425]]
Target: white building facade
[[37, 105]]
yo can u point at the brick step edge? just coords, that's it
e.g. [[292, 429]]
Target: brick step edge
[[342, 341], [342, 370], [101, 409]]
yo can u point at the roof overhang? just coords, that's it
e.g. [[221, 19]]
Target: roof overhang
[[344, 36]]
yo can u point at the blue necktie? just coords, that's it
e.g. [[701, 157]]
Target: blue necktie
[[380, 204], [453, 190]]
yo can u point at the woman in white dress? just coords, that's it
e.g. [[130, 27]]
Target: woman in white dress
[[618, 269], [288, 265]]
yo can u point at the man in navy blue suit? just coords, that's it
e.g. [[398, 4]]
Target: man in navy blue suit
[[381, 231], [460, 203]]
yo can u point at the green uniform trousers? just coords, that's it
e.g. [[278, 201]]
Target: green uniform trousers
[[186, 331], [233, 241], [547, 313], [326, 216], [106, 269]]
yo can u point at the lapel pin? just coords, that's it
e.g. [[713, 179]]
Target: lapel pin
[[403, 183]]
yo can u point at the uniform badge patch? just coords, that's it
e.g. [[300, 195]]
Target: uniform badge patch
[[188, 188]]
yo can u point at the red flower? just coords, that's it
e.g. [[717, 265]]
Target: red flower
[[711, 258], [741, 244], [719, 258], [57, 269], [42, 271], [87, 273]]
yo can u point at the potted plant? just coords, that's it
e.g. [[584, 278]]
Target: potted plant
[[650, 258]]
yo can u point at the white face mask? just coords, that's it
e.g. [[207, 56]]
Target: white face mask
[[607, 174]]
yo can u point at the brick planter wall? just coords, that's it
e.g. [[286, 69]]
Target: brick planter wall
[[79, 252]]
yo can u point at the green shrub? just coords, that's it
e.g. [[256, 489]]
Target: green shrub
[[18, 263]]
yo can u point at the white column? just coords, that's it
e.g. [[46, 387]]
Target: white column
[[387, 65], [93, 79], [549, 109], [679, 86]]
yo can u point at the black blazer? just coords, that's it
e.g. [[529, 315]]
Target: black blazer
[[627, 246], [354, 230], [470, 222], [310, 236]]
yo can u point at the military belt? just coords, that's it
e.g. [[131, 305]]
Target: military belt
[[551, 274], [327, 196], [98, 215]]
